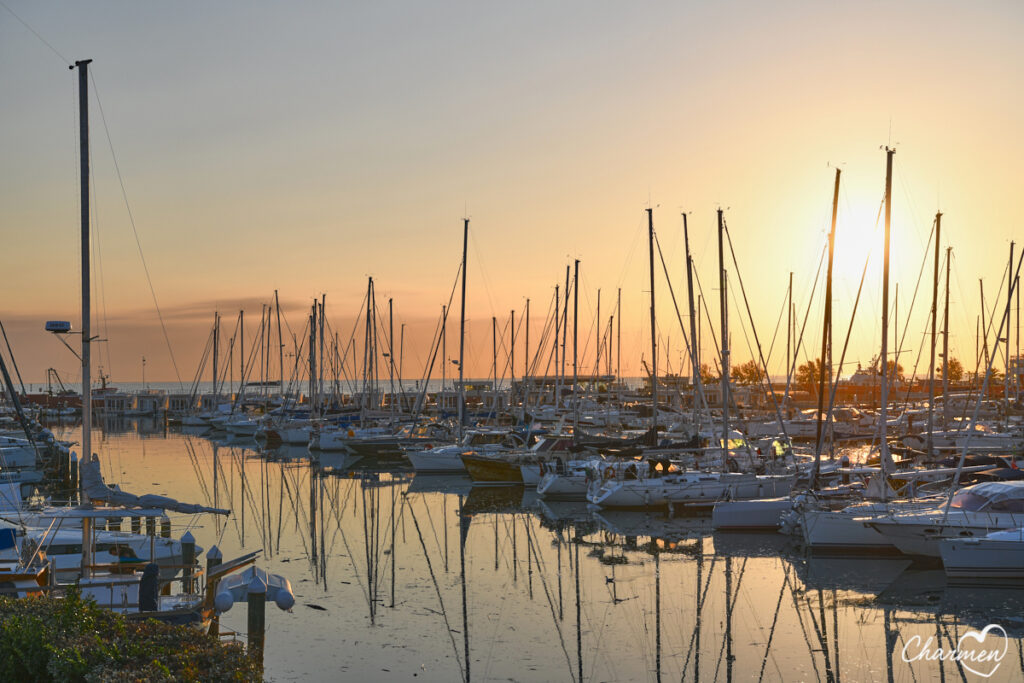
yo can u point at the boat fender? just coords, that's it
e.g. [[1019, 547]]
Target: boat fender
[[542, 470], [223, 601], [284, 599], [351, 433]]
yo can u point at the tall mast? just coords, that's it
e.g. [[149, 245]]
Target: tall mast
[[216, 352], [575, 345], [444, 348], [935, 311], [83, 122], [1006, 373], [280, 348], [618, 338], [598, 335], [789, 326], [391, 358], [526, 360], [312, 363], [722, 283], [654, 334], [83, 136], [984, 325], [886, 460], [565, 321], [494, 356], [698, 390], [462, 330], [512, 358], [558, 388], [320, 322], [241, 350], [945, 348], [826, 337]]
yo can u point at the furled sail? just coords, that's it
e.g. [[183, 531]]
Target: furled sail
[[93, 486]]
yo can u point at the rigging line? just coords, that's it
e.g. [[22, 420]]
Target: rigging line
[[99, 282], [910, 311], [701, 599], [803, 629], [778, 323], [62, 58], [672, 291], [729, 610], [799, 341], [11, 354], [437, 589], [135, 232], [771, 631], [753, 329]]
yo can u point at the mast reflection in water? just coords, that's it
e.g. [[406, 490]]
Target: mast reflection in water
[[542, 591]]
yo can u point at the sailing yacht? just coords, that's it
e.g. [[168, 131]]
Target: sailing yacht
[[974, 512]]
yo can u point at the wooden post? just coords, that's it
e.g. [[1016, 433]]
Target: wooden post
[[214, 558], [188, 559], [257, 599]]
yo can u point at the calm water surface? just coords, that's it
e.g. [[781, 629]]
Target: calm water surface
[[400, 577]]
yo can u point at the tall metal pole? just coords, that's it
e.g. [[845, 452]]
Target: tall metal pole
[[391, 358], [444, 349], [725, 335], [789, 327], [1006, 373], [526, 361], [558, 387], [462, 330], [512, 349], [698, 389], [83, 122], [565, 321], [618, 338], [575, 345], [887, 465], [216, 353], [280, 348], [598, 335], [826, 335], [935, 311], [654, 334], [945, 347]]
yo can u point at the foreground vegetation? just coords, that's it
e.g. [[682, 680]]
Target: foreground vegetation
[[70, 639]]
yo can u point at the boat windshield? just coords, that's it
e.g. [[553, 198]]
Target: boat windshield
[[965, 500]]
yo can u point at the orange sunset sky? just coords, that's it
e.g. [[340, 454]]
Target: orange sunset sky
[[305, 146]]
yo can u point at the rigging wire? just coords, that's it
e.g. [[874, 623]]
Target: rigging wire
[[135, 232]]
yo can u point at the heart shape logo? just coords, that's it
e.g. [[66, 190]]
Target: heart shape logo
[[978, 655]]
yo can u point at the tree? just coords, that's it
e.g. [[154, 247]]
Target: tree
[[706, 374], [809, 374], [891, 367], [748, 373], [955, 370]]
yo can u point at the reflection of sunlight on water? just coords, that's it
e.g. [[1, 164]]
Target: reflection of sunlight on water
[[375, 559]]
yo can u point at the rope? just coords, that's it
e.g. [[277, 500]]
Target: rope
[[135, 232]]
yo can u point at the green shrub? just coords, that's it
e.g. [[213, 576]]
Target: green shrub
[[71, 639]]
